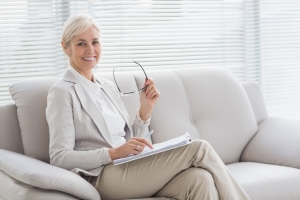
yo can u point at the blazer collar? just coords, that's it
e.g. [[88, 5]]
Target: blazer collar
[[69, 77], [91, 108]]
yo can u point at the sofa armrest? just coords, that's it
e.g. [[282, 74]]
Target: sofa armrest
[[43, 175], [16, 190], [276, 142], [256, 99]]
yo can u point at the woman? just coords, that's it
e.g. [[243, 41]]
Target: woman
[[89, 128]]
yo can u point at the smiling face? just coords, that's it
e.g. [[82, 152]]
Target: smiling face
[[84, 51]]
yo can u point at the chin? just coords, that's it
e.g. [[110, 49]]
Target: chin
[[89, 66]]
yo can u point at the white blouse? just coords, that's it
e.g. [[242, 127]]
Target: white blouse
[[114, 121]]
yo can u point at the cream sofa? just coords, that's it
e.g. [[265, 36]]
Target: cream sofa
[[262, 153]]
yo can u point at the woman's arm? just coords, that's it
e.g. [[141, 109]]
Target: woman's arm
[[135, 145], [148, 99], [59, 114]]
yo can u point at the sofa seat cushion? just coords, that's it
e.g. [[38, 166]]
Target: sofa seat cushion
[[45, 176], [153, 198], [14, 189], [267, 182]]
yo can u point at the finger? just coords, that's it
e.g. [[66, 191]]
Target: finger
[[149, 87], [136, 148], [155, 94], [136, 152], [151, 92], [140, 148], [136, 143], [149, 81], [145, 141]]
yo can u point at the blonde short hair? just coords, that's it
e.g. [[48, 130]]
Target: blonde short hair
[[77, 24]]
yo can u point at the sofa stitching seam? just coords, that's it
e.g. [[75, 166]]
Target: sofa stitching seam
[[188, 102]]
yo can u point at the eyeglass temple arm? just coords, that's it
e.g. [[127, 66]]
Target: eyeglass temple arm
[[116, 81], [115, 77], [142, 69]]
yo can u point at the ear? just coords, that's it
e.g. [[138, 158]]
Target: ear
[[64, 47]]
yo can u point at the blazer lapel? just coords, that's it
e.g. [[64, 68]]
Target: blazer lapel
[[90, 107], [116, 101]]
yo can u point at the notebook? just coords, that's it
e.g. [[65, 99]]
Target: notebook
[[158, 148]]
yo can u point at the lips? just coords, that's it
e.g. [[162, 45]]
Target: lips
[[91, 58]]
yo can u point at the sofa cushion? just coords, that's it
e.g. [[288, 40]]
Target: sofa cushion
[[30, 97], [276, 142], [210, 103], [42, 175], [10, 133], [267, 182], [257, 102], [16, 190], [153, 198]]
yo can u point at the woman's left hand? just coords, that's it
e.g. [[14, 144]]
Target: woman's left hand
[[148, 98]]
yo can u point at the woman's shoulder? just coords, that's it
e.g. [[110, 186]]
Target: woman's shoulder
[[61, 86]]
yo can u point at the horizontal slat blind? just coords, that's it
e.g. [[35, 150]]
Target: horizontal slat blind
[[280, 56], [29, 38], [172, 34], [258, 40]]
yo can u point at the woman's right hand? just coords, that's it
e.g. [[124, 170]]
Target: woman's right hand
[[134, 146]]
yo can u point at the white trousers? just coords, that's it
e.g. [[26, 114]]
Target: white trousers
[[191, 172]]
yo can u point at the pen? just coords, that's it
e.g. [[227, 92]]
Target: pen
[[150, 133]]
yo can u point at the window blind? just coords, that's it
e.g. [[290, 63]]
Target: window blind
[[29, 37], [280, 56], [256, 40]]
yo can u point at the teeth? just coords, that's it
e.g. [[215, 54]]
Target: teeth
[[92, 58]]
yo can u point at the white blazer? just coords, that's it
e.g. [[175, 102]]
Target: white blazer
[[79, 138]]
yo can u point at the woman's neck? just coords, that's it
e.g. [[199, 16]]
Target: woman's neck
[[87, 74]]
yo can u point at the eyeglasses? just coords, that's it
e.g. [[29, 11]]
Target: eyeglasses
[[131, 93]]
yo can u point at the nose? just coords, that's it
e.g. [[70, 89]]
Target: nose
[[90, 48]]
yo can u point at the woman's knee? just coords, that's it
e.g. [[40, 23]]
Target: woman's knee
[[201, 176], [202, 183], [199, 142]]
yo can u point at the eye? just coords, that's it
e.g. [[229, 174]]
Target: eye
[[81, 44], [95, 42]]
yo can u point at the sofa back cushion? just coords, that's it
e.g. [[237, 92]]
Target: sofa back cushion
[[10, 135], [210, 103], [257, 101], [30, 97]]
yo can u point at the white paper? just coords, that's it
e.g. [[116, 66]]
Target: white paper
[[157, 148]]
